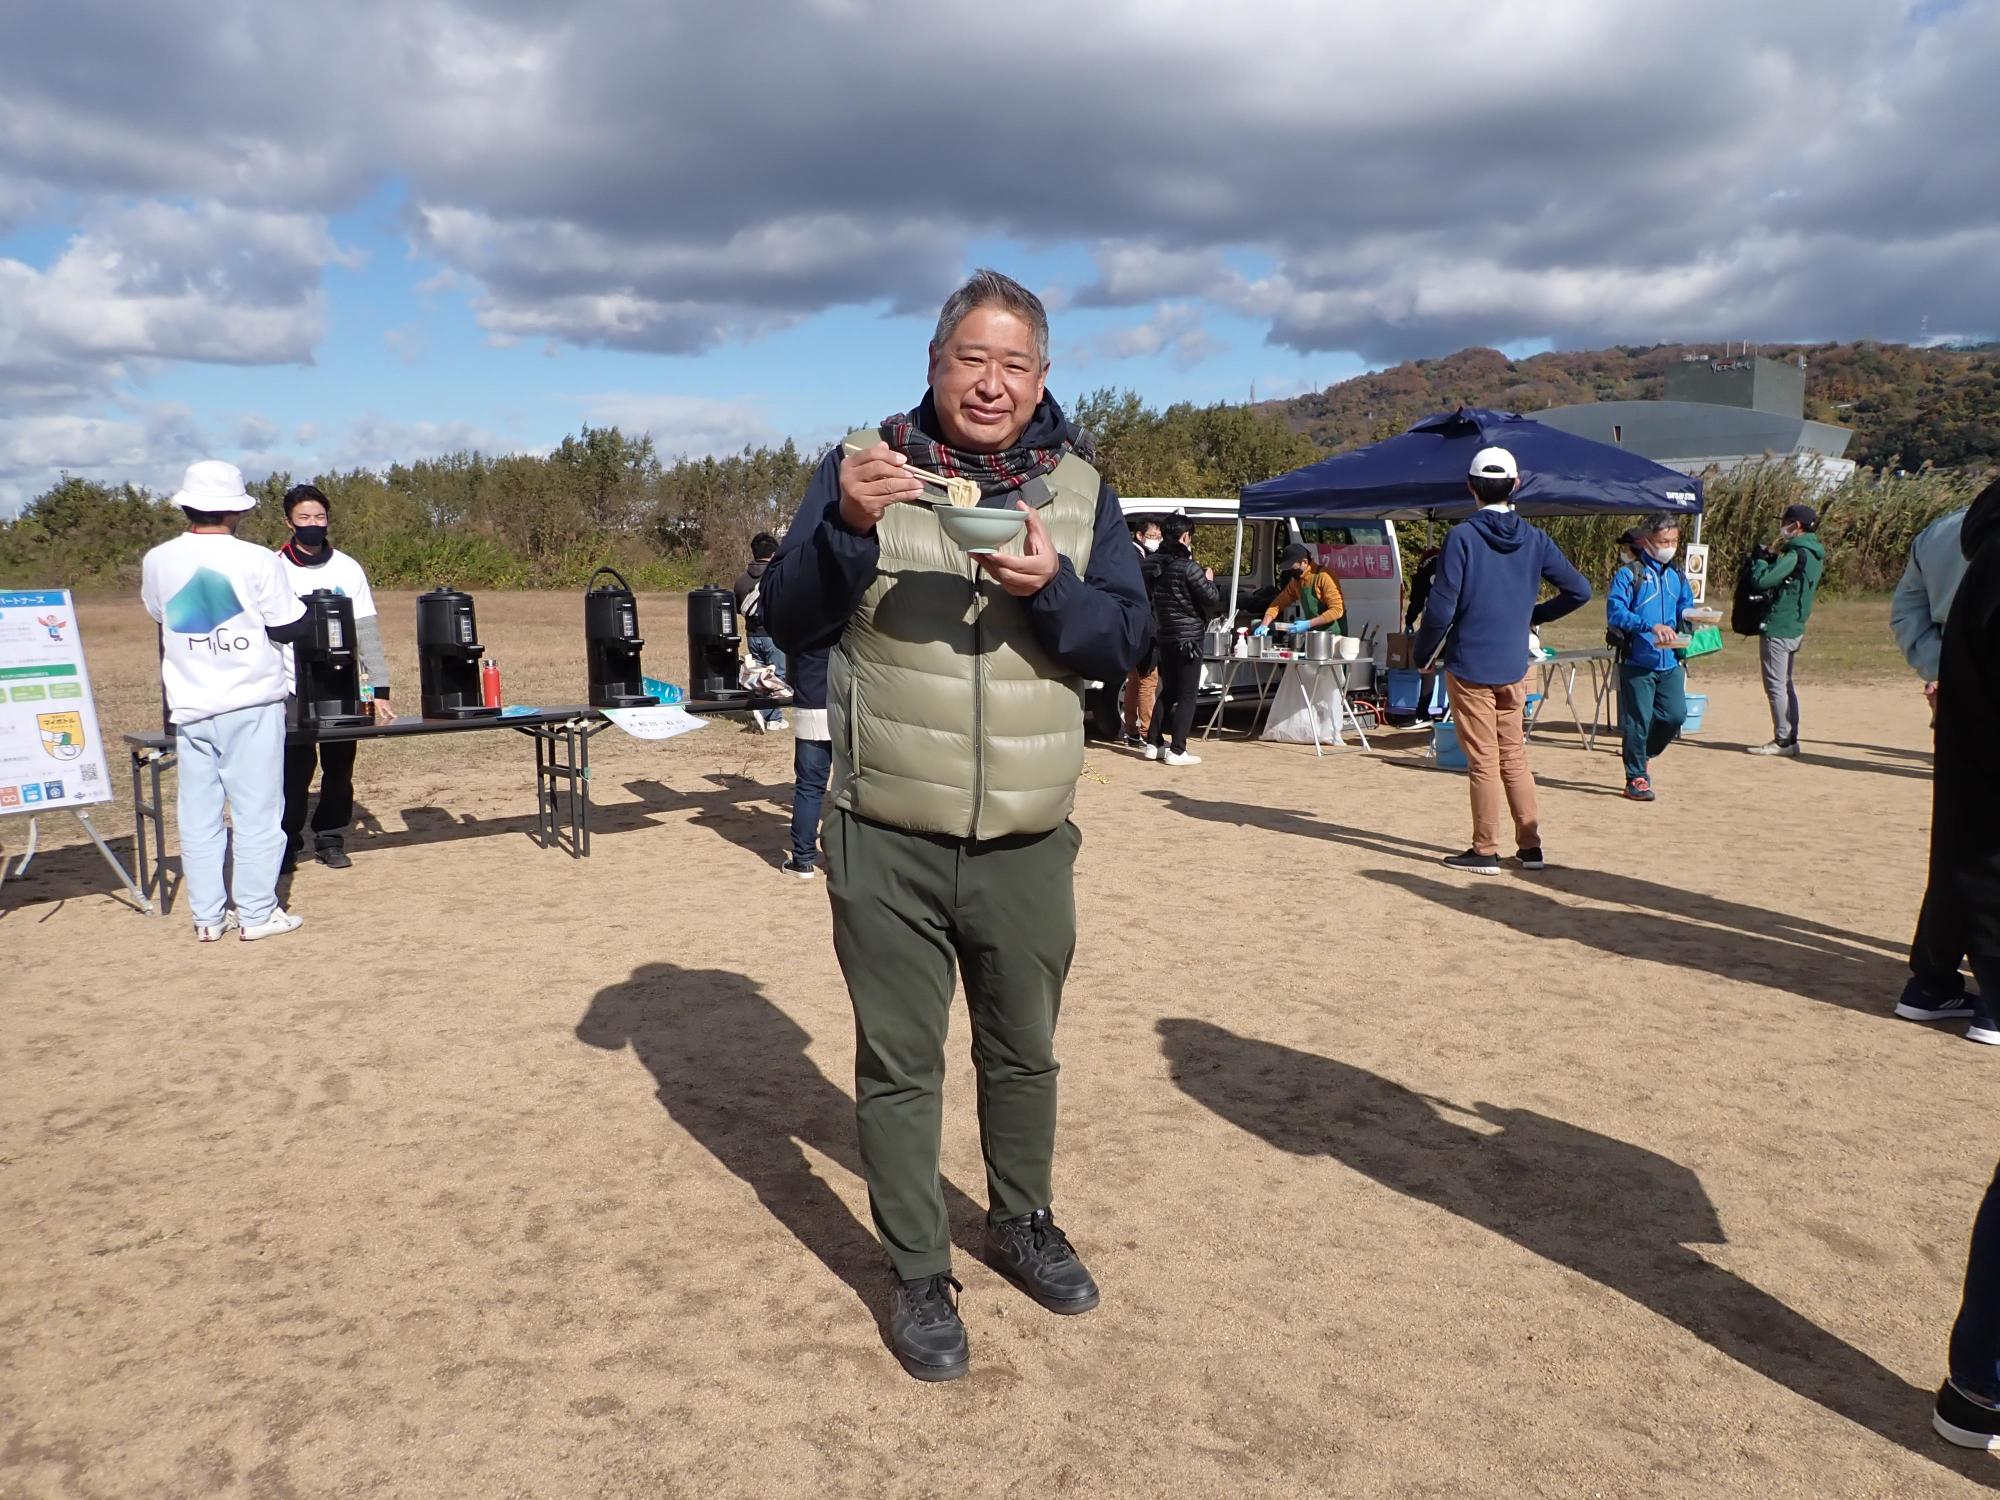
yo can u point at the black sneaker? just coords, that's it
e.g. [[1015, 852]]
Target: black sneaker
[[1039, 1259], [1985, 1023], [799, 869], [1473, 863], [1922, 1003], [1531, 859], [1960, 1419], [924, 1328], [333, 857]]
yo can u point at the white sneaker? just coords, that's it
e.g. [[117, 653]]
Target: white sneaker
[[1775, 747], [1180, 758], [214, 932], [277, 924], [1152, 752]]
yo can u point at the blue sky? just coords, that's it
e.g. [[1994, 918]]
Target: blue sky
[[303, 237]]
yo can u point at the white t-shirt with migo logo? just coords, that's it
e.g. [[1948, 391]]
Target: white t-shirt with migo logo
[[213, 595], [339, 574]]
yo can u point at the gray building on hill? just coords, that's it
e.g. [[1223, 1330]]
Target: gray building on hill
[[1718, 414]]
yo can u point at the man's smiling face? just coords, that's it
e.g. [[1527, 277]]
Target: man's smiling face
[[987, 378]]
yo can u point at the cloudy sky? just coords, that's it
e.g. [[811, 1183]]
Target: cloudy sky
[[301, 235]]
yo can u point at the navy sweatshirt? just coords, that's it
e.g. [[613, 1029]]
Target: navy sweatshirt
[[1482, 604], [1096, 625]]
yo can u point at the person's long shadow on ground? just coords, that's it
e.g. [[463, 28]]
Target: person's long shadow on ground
[[732, 1071], [1813, 968], [1808, 756], [748, 813], [1609, 1210], [1279, 820]]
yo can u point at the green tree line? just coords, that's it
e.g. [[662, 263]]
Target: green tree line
[[549, 520]]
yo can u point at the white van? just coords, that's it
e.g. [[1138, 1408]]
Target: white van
[[1363, 555]]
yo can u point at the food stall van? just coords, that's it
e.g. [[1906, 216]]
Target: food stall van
[[1362, 555]]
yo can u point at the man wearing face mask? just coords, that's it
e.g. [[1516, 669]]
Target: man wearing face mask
[[1143, 685], [312, 562], [1648, 604]]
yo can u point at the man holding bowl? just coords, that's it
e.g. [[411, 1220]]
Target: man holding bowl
[[955, 700]]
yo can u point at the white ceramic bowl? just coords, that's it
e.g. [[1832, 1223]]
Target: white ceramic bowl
[[1348, 647], [981, 528]]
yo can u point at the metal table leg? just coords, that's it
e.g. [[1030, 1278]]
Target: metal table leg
[[1229, 664], [150, 765]]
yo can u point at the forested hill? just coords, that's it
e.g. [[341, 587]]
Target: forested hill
[[1907, 406]]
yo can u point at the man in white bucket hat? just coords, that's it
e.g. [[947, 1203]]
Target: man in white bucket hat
[[223, 607]]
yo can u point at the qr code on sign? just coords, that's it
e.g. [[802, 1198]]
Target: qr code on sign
[[90, 775]]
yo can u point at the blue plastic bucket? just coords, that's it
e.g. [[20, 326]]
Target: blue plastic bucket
[[1697, 711], [1450, 754], [1404, 688]]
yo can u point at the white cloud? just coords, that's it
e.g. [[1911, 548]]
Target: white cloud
[[1175, 329], [147, 446], [681, 426], [1406, 179]]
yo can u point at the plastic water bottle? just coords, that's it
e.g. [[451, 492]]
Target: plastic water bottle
[[367, 696]]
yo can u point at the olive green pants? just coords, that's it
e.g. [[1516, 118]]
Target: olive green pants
[[909, 910]]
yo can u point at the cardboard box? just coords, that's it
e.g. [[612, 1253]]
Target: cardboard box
[[1402, 649]]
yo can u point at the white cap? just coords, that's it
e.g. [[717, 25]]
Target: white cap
[[1497, 462], [213, 485]]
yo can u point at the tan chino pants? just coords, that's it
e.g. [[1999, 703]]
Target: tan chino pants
[[1491, 730], [1139, 694]]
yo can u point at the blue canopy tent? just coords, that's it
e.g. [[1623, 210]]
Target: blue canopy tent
[[1421, 475]]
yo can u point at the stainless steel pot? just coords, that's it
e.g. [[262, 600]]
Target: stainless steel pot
[[1319, 645]]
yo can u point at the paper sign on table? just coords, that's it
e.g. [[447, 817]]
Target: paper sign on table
[[660, 723]]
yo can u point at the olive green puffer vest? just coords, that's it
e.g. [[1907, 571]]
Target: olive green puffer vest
[[947, 716]]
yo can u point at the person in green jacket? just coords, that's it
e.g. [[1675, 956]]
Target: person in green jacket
[[1793, 566]]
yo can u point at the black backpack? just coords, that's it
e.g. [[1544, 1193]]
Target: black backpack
[[1752, 606]]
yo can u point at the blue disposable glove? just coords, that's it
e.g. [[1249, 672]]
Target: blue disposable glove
[[1298, 627], [1261, 630]]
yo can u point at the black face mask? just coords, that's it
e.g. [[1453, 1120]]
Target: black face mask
[[312, 538], [1290, 575]]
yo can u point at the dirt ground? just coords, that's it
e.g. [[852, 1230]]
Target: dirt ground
[[515, 1176]]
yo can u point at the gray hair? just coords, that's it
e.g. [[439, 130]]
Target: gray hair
[[1658, 522], [987, 288]]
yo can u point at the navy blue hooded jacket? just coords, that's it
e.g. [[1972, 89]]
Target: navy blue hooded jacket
[[1097, 625], [1482, 604]]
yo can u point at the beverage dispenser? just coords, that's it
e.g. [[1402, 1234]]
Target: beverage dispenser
[[713, 645], [448, 653], [327, 664], [611, 643]]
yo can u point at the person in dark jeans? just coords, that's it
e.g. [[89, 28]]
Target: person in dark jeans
[[1647, 607], [311, 562], [756, 637], [812, 759], [1965, 865], [1185, 599]]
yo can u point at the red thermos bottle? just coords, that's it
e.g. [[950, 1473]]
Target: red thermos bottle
[[489, 683]]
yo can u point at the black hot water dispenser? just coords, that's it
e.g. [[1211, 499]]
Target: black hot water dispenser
[[327, 664], [713, 645], [611, 644], [448, 653]]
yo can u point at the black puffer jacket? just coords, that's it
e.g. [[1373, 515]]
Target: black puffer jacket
[[1184, 598]]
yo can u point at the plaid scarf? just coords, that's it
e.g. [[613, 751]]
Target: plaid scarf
[[996, 473]]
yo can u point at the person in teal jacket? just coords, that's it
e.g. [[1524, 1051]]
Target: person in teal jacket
[[1648, 604], [1793, 565]]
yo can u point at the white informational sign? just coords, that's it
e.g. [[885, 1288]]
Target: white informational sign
[[662, 722], [1695, 564], [51, 754]]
